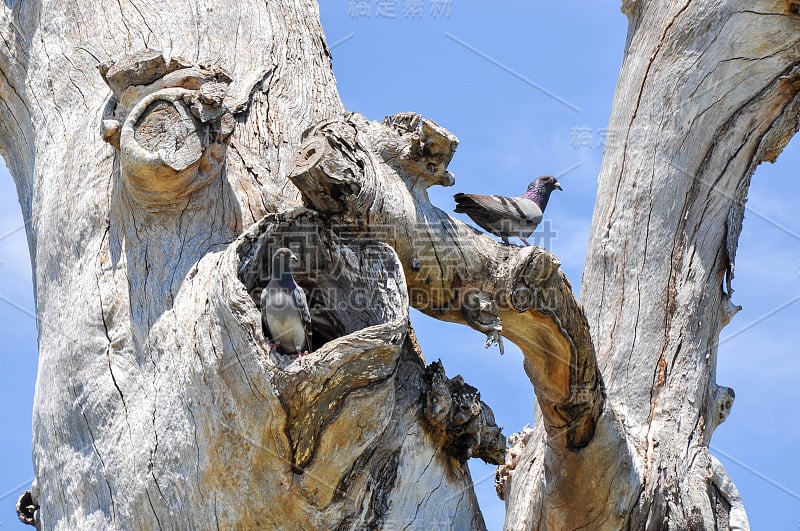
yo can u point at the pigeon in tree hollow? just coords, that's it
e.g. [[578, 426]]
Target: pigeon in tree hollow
[[509, 216], [284, 310]]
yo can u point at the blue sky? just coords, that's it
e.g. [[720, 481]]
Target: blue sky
[[527, 87]]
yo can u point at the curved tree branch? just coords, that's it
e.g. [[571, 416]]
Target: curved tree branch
[[157, 399], [372, 178]]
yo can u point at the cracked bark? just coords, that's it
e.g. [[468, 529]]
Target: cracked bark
[[656, 287], [154, 205]]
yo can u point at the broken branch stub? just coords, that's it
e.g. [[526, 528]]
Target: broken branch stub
[[169, 124], [461, 423], [421, 147]]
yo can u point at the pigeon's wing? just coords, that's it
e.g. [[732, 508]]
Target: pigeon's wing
[[503, 216], [493, 208], [300, 301], [264, 310]]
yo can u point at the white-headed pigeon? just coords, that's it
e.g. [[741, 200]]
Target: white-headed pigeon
[[284, 310], [509, 216]]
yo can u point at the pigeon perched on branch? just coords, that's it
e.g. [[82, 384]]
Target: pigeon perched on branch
[[508, 217], [284, 310]]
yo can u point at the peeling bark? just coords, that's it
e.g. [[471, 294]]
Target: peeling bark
[[158, 404], [162, 162], [707, 91], [373, 178]]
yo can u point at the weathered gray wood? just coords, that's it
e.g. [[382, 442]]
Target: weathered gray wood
[[372, 178], [707, 91], [161, 153], [157, 402]]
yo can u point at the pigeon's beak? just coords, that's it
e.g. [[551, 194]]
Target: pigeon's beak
[[293, 259], [558, 186]]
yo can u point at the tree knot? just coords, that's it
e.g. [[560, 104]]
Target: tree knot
[[419, 146], [460, 422], [170, 125], [28, 510]]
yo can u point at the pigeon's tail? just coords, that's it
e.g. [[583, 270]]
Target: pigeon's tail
[[309, 335], [464, 204]]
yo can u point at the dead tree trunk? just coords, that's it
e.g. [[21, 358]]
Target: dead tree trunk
[[707, 91], [163, 154]]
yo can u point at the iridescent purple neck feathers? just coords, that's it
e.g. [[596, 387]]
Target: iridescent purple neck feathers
[[540, 196], [539, 190]]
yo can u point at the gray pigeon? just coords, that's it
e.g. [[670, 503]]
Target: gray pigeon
[[509, 216], [284, 310]]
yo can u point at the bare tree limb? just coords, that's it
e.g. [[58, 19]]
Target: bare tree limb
[[372, 178]]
